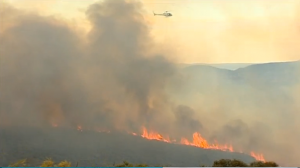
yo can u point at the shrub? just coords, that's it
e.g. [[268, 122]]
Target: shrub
[[229, 163], [141, 165], [263, 164], [48, 163], [271, 164], [64, 164], [20, 163], [219, 163], [125, 164]]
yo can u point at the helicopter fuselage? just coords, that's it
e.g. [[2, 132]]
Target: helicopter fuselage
[[166, 14]]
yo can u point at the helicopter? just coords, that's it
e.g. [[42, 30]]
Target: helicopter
[[166, 14]]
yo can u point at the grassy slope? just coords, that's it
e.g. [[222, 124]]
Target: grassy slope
[[101, 149]]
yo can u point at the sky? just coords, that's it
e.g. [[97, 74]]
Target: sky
[[205, 31]]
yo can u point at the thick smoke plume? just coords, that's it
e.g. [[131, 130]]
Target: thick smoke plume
[[111, 79], [49, 75]]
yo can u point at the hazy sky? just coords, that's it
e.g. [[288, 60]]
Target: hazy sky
[[206, 31]]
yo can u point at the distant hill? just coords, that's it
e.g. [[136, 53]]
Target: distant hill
[[271, 74], [272, 79], [228, 66], [231, 66]]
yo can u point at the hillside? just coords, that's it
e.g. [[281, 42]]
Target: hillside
[[206, 79], [272, 74], [101, 149], [279, 73], [261, 87]]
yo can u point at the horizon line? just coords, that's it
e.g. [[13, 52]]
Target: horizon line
[[242, 62]]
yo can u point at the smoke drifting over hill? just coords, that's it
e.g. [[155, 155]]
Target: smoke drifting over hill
[[111, 79], [49, 75]]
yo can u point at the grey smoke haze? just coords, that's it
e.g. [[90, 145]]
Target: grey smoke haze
[[186, 121], [255, 109], [50, 75]]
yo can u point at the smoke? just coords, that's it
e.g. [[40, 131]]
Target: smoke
[[111, 79], [37, 59], [187, 121], [50, 75], [254, 109]]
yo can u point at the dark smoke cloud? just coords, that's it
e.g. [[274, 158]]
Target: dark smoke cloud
[[37, 60], [49, 75], [119, 44], [187, 121]]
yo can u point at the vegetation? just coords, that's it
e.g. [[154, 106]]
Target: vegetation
[[20, 163], [126, 164], [229, 163], [64, 164], [238, 163], [263, 164], [220, 163], [46, 163]]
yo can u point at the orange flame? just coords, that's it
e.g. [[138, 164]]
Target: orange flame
[[185, 142], [198, 141], [154, 136], [258, 157], [132, 133], [79, 128], [54, 125]]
